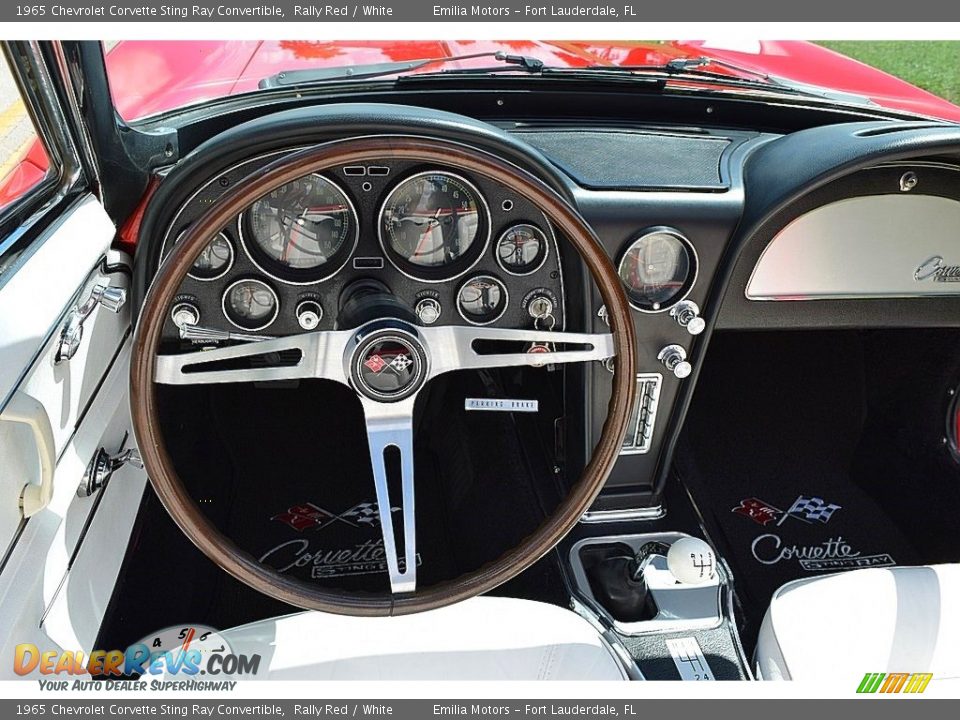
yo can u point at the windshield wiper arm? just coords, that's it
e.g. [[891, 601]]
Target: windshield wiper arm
[[692, 66], [288, 78], [681, 65]]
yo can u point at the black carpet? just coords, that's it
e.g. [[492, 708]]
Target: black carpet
[[767, 454], [285, 473]]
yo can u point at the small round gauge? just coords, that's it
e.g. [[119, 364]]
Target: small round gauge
[[482, 299], [300, 228], [193, 645], [431, 222], [215, 259], [658, 270], [522, 249], [250, 304]]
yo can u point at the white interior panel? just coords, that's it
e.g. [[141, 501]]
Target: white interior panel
[[878, 246]]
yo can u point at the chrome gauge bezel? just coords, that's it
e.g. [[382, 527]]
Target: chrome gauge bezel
[[299, 276], [692, 274], [484, 276], [229, 289], [543, 258], [227, 268], [437, 274]]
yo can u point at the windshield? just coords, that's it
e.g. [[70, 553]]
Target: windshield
[[152, 77]]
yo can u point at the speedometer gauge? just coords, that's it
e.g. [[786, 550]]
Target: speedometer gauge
[[434, 225], [303, 231], [658, 269]]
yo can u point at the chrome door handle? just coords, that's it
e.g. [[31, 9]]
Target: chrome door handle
[[112, 298]]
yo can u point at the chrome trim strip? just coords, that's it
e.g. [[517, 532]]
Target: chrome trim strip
[[631, 514]]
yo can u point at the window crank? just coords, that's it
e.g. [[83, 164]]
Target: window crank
[[112, 298], [102, 467]]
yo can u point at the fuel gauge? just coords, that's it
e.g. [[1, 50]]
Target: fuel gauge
[[482, 300]]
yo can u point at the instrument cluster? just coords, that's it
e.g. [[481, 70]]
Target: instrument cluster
[[456, 249]]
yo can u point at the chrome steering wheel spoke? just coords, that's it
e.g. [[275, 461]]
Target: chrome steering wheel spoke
[[390, 437], [296, 357], [456, 348]]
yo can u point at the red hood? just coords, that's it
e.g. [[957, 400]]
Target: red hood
[[148, 77]]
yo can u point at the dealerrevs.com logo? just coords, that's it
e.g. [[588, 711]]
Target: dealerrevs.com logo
[[190, 657]]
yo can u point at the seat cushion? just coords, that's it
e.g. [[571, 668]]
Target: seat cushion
[[902, 619], [485, 638]]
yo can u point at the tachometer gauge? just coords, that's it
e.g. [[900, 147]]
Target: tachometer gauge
[[658, 270], [522, 249], [482, 299], [215, 259], [434, 225], [303, 231], [250, 304]]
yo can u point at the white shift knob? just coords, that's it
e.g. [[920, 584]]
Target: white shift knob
[[691, 561]]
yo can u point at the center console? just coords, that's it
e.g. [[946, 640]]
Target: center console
[[663, 600]]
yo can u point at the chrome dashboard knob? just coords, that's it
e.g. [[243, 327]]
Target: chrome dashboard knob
[[674, 359], [687, 315], [309, 314], [184, 314], [428, 311]]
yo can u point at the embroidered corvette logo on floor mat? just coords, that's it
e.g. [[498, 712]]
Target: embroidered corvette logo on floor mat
[[308, 552], [831, 555], [809, 510]]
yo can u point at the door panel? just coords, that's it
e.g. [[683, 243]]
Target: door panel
[[37, 298]]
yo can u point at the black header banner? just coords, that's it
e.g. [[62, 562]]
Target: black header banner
[[583, 11]]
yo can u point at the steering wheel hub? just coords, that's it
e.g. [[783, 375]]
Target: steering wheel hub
[[389, 365]]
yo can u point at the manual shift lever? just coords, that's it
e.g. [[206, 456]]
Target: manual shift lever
[[690, 560], [619, 584]]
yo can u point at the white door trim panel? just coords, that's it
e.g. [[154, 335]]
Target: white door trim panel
[[35, 298]]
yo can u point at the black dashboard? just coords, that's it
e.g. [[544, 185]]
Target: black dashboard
[[684, 211]]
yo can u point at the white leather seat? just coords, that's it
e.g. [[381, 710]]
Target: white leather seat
[[904, 619], [485, 638]]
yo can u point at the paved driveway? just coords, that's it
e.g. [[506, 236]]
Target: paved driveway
[[15, 127]]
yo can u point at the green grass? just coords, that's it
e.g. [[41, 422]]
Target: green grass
[[931, 65]]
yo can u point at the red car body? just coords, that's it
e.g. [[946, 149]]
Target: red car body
[[150, 77]]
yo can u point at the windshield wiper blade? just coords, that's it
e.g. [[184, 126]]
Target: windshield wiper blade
[[289, 78]]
